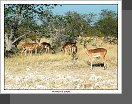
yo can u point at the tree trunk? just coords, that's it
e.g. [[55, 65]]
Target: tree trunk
[[8, 45]]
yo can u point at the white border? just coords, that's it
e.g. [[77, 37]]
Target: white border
[[119, 91]]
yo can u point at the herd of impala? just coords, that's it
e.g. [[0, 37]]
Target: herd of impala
[[68, 47]]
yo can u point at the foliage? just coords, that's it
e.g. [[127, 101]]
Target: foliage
[[108, 23], [38, 21], [24, 16]]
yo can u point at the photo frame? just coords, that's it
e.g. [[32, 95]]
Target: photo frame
[[64, 91]]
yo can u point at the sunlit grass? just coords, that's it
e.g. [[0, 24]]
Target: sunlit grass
[[22, 60], [60, 71]]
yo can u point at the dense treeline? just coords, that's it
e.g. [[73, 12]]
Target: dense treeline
[[37, 21]]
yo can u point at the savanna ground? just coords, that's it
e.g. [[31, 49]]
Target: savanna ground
[[59, 71]]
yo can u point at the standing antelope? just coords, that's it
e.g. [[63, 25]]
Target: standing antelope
[[29, 47], [47, 46], [74, 51], [98, 52], [67, 47]]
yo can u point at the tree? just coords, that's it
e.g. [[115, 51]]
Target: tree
[[20, 20], [107, 23], [62, 28]]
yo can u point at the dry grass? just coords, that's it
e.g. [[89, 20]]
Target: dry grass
[[59, 71]]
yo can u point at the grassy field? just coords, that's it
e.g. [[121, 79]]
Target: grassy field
[[59, 71]]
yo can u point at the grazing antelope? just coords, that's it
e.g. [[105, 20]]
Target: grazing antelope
[[29, 47], [67, 47], [98, 52], [47, 47]]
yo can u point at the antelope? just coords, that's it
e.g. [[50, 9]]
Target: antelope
[[74, 51], [67, 47], [98, 52], [47, 46], [29, 47]]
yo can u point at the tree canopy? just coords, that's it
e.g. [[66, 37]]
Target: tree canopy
[[26, 20]]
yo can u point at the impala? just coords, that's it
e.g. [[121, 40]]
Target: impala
[[74, 52], [67, 47], [73, 49], [47, 47], [98, 52], [29, 47]]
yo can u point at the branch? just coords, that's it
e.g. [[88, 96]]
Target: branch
[[19, 38]]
